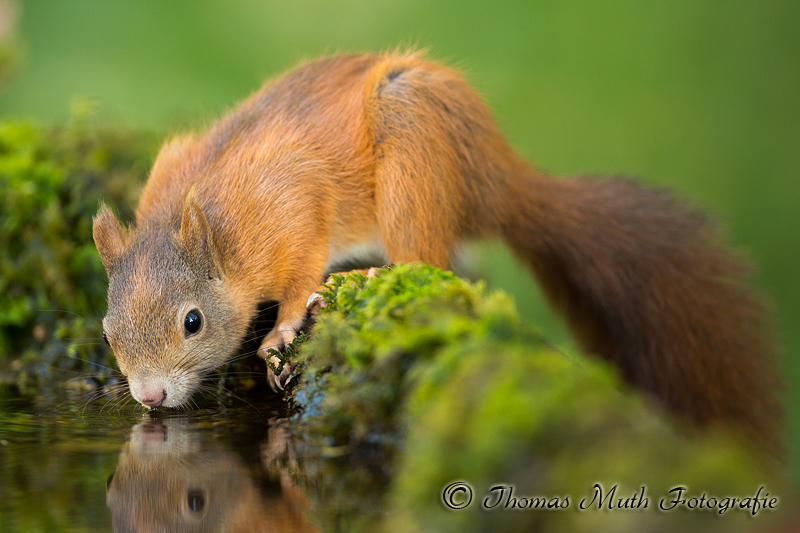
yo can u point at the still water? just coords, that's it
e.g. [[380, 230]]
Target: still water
[[70, 466]]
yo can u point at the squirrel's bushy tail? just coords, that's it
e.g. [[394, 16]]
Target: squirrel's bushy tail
[[642, 281]]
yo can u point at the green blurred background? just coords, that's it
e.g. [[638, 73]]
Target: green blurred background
[[699, 95]]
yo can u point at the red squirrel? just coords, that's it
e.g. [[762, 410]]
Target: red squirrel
[[397, 152]]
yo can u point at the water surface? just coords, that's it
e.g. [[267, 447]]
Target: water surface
[[72, 466]]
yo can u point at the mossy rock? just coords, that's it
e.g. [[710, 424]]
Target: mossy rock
[[443, 383]]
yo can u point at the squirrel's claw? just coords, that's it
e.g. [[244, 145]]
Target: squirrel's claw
[[277, 382], [315, 303], [277, 340]]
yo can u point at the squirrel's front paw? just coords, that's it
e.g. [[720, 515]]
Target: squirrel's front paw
[[277, 382], [278, 339]]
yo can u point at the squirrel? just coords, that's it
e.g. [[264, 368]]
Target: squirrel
[[394, 151]]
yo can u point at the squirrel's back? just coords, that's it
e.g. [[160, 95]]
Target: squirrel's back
[[298, 144]]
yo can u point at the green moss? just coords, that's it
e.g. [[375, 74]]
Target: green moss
[[52, 284], [442, 382], [551, 426], [381, 329]]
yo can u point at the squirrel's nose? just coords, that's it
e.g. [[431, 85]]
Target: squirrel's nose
[[149, 393], [155, 399]]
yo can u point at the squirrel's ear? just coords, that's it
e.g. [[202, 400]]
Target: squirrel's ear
[[109, 236], [196, 235]]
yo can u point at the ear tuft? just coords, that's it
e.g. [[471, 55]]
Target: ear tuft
[[109, 237], [196, 235]]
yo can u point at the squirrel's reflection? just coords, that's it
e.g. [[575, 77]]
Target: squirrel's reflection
[[171, 477]]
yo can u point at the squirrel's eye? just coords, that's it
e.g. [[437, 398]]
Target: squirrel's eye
[[196, 501], [192, 323], [105, 339]]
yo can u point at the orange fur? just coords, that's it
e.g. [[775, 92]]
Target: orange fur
[[358, 149]]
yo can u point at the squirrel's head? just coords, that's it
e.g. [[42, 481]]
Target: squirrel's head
[[170, 318]]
